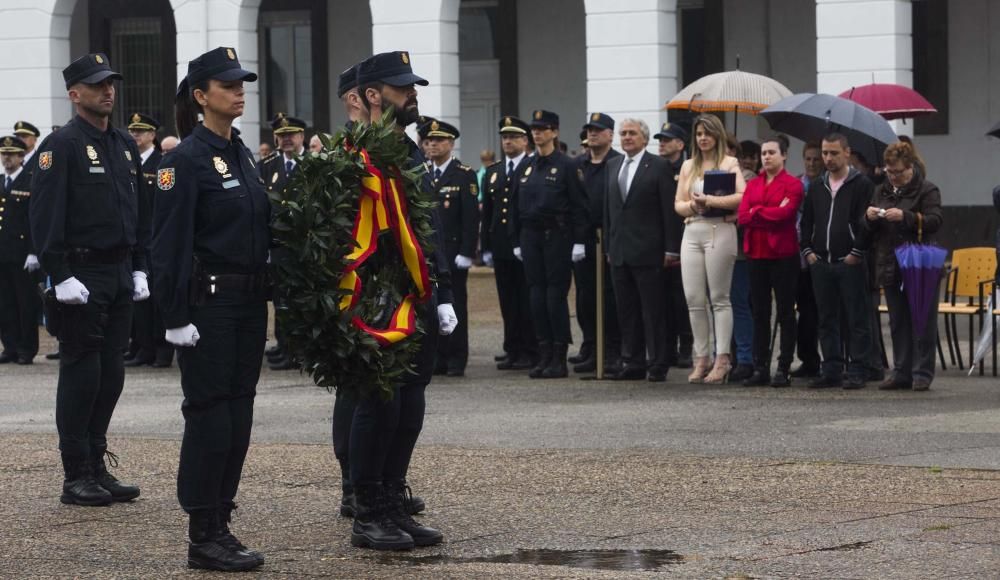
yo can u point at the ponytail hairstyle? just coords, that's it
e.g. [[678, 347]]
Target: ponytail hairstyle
[[186, 109], [912, 154]]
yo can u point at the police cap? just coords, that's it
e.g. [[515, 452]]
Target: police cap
[[12, 144], [600, 121], [391, 68], [220, 64], [282, 123], [510, 124], [438, 129], [545, 119], [141, 122], [672, 131], [26, 128], [347, 80], [89, 69]]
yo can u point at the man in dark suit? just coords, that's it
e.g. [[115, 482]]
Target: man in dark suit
[[499, 203], [638, 220], [19, 303], [456, 190]]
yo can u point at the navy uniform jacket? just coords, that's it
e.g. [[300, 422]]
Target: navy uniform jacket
[[439, 265], [85, 194], [595, 187], [210, 204], [15, 228], [458, 198], [675, 227], [273, 172], [499, 205], [550, 193]]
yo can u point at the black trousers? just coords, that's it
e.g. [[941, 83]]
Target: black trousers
[[806, 337], [374, 439], [19, 309], [547, 254], [679, 336], [777, 278], [912, 355], [585, 276], [91, 371], [641, 313], [515, 308], [453, 350], [219, 378], [841, 292]]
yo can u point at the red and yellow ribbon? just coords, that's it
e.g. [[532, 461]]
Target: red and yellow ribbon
[[381, 207]]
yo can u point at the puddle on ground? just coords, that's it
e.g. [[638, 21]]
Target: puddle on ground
[[627, 560]]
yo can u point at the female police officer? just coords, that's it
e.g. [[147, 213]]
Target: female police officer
[[551, 226], [210, 245]]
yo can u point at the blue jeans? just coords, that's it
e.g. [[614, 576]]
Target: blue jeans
[[739, 296]]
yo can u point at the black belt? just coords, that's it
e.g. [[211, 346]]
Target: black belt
[[92, 256]]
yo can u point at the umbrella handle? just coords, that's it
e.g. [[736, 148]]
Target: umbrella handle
[[920, 227]]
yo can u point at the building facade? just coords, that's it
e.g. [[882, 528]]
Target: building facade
[[485, 58]]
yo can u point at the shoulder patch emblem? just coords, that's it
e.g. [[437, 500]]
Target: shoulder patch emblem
[[45, 160], [165, 178]]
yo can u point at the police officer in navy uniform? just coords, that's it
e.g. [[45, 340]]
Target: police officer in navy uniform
[[29, 134], [19, 303], [457, 194], [384, 433], [211, 237], [90, 231], [277, 170], [500, 183], [551, 229], [599, 131]]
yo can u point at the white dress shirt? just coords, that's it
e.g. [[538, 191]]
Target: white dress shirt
[[631, 169]]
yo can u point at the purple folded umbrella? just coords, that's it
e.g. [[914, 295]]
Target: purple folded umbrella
[[920, 272]]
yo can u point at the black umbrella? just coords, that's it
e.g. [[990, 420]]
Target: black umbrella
[[995, 131], [809, 117]]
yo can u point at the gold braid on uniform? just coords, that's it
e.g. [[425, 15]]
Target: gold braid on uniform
[[316, 226]]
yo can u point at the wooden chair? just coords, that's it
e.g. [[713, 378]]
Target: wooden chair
[[969, 281]]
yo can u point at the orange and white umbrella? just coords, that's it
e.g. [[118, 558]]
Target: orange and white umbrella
[[731, 91]]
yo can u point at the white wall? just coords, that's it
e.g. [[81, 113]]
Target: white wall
[[349, 30]]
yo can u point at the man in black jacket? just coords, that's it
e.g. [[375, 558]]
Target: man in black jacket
[[833, 242], [637, 216], [19, 304]]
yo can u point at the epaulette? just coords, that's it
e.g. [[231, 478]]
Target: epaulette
[[494, 164], [465, 167], [271, 156]]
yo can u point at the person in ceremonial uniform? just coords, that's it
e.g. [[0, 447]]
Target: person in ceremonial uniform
[[458, 195], [19, 303], [501, 180], [551, 230], [384, 433], [29, 134], [211, 234], [277, 170], [149, 346], [89, 230]]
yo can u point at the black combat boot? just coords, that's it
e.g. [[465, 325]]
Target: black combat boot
[[373, 526], [207, 550], [227, 539], [544, 358], [119, 491], [587, 350], [557, 366], [399, 504], [80, 487]]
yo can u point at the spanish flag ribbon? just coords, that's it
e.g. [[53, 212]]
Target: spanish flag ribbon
[[381, 207]]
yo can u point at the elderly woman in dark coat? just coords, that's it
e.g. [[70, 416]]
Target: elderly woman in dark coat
[[906, 207]]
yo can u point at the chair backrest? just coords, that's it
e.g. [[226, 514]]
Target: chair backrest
[[973, 265]]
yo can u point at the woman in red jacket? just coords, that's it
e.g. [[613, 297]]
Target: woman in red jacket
[[767, 213]]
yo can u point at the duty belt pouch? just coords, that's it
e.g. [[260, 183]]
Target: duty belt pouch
[[53, 311]]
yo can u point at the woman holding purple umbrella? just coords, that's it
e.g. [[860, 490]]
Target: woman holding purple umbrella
[[905, 208]]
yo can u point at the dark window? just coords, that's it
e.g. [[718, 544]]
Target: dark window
[[476, 26], [701, 41], [930, 63], [287, 70]]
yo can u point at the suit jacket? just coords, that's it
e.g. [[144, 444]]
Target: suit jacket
[[499, 205], [15, 228], [638, 228]]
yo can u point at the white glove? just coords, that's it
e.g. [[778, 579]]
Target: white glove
[[447, 321], [183, 336], [463, 263], [31, 263], [488, 258], [517, 253], [72, 291], [140, 287], [579, 252]]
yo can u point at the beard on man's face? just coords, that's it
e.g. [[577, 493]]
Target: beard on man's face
[[407, 112]]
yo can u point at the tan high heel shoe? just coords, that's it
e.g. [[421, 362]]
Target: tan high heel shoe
[[720, 372], [700, 370]]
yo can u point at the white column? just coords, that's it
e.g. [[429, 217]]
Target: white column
[[632, 66], [859, 42], [205, 24], [428, 30]]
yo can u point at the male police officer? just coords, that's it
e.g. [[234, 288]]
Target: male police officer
[[19, 304], [29, 134], [88, 228], [457, 193], [276, 170], [499, 204]]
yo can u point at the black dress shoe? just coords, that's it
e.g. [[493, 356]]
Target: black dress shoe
[[628, 374], [273, 351], [140, 360], [455, 372], [52, 356], [781, 379], [501, 357], [740, 373], [657, 376], [826, 382], [759, 378], [7, 357], [515, 363], [854, 383], [586, 366], [806, 371], [283, 364], [583, 354], [25, 360]]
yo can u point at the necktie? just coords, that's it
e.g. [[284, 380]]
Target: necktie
[[289, 165], [623, 178], [437, 174], [510, 168], [7, 184]]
